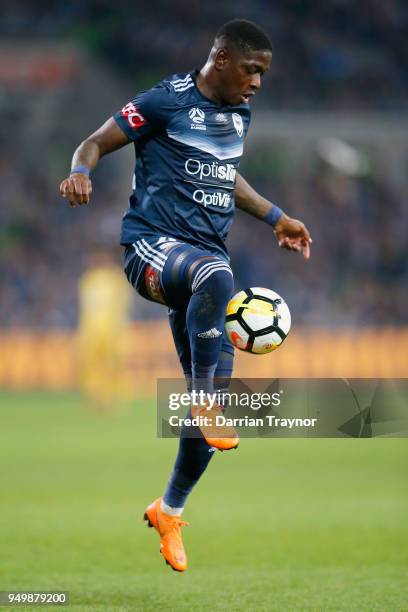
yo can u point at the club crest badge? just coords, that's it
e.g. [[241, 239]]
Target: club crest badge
[[238, 124]]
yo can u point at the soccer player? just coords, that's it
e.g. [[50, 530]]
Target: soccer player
[[188, 132]]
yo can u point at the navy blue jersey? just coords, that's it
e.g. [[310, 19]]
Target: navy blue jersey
[[188, 150]]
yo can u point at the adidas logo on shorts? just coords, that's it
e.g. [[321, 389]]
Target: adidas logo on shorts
[[211, 333]]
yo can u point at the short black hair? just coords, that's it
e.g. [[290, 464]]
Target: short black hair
[[245, 35]]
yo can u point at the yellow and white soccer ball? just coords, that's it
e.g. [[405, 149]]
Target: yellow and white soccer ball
[[258, 320]]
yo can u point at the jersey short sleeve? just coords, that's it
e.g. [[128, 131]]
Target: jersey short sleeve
[[148, 112]]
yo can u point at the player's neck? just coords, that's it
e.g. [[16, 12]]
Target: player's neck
[[207, 86]]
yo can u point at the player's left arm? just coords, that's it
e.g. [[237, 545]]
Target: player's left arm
[[290, 233]]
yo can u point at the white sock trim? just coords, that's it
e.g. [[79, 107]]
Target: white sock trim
[[170, 510]]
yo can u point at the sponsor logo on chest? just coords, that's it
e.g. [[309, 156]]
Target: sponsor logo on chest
[[218, 199]]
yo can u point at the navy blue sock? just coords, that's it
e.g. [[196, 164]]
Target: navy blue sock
[[193, 456], [223, 372], [205, 321]]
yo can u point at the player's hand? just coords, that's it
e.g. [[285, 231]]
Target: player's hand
[[293, 235], [77, 189]]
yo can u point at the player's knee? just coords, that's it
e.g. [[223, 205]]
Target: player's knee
[[218, 282]]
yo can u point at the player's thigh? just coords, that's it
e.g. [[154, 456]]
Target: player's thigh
[[169, 271], [143, 269], [187, 269]]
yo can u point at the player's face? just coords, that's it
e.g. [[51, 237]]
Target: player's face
[[241, 75]]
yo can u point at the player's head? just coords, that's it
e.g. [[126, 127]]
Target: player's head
[[240, 55]]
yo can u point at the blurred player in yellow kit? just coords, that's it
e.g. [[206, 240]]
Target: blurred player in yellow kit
[[104, 304]]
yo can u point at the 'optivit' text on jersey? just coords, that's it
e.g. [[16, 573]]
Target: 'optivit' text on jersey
[[187, 153]]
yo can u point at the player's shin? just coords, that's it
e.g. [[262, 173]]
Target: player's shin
[[205, 323], [193, 456], [223, 373]]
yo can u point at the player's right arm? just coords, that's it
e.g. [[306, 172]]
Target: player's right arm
[[77, 187], [148, 112]]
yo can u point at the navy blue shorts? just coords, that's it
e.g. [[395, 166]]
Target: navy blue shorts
[[187, 267]]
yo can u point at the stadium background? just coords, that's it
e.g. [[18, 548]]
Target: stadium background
[[329, 144]]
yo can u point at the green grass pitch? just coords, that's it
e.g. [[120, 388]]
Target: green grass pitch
[[276, 525]]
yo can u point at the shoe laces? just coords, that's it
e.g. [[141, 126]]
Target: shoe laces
[[176, 523], [173, 529]]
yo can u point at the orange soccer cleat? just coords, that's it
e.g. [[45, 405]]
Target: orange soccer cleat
[[216, 434], [168, 527]]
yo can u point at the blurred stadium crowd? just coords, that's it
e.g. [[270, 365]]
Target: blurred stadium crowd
[[357, 275], [340, 55], [336, 53]]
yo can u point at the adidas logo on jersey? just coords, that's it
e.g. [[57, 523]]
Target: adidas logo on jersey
[[197, 117], [211, 333], [221, 118]]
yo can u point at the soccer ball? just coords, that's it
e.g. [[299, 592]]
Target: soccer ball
[[257, 321]]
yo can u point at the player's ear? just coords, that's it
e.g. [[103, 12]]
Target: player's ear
[[221, 59]]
